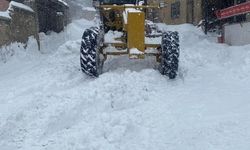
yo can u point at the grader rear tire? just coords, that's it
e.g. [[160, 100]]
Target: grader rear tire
[[90, 58], [170, 54]]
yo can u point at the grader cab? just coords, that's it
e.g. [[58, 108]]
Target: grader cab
[[123, 27]]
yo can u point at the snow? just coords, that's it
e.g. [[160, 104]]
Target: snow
[[47, 103], [112, 37], [135, 51], [63, 2], [129, 10], [20, 5], [5, 14], [89, 9], [156, 40]]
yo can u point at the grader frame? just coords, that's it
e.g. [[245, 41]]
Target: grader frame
[[130, 20], [133, 24]]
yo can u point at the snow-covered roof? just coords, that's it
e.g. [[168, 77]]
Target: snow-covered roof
[[5, 15], [21, 6]]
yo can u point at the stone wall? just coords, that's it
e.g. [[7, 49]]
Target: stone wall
[[5, 36], [18, 29], [23, 25]]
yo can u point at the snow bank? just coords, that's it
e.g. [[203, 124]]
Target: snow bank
[[18, 51]]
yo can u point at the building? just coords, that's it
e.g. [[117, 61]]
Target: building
[[178, 11], [235, 21]]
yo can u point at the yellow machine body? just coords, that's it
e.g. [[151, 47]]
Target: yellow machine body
[[124, 30], [130, 20], [136, 34]]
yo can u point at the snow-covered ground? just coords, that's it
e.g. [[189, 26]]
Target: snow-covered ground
[[81, 9], [46, 103]]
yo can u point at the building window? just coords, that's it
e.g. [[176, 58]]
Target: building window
[[175, 10]]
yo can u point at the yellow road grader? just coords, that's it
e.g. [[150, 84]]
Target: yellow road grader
[[123, 27]]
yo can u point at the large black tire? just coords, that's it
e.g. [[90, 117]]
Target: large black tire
[[170, 52], [90, 58]]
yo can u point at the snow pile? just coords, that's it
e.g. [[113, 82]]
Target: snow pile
[[47, 103], [18, 51]]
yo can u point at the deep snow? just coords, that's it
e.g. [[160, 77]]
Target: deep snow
[[46, 103]]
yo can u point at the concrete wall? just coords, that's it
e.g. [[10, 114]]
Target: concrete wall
[[237, 34]]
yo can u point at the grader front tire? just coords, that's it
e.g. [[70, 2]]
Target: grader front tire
[[170, 52], [91, 63]]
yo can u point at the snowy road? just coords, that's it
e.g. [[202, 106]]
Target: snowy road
[[46, 103]]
